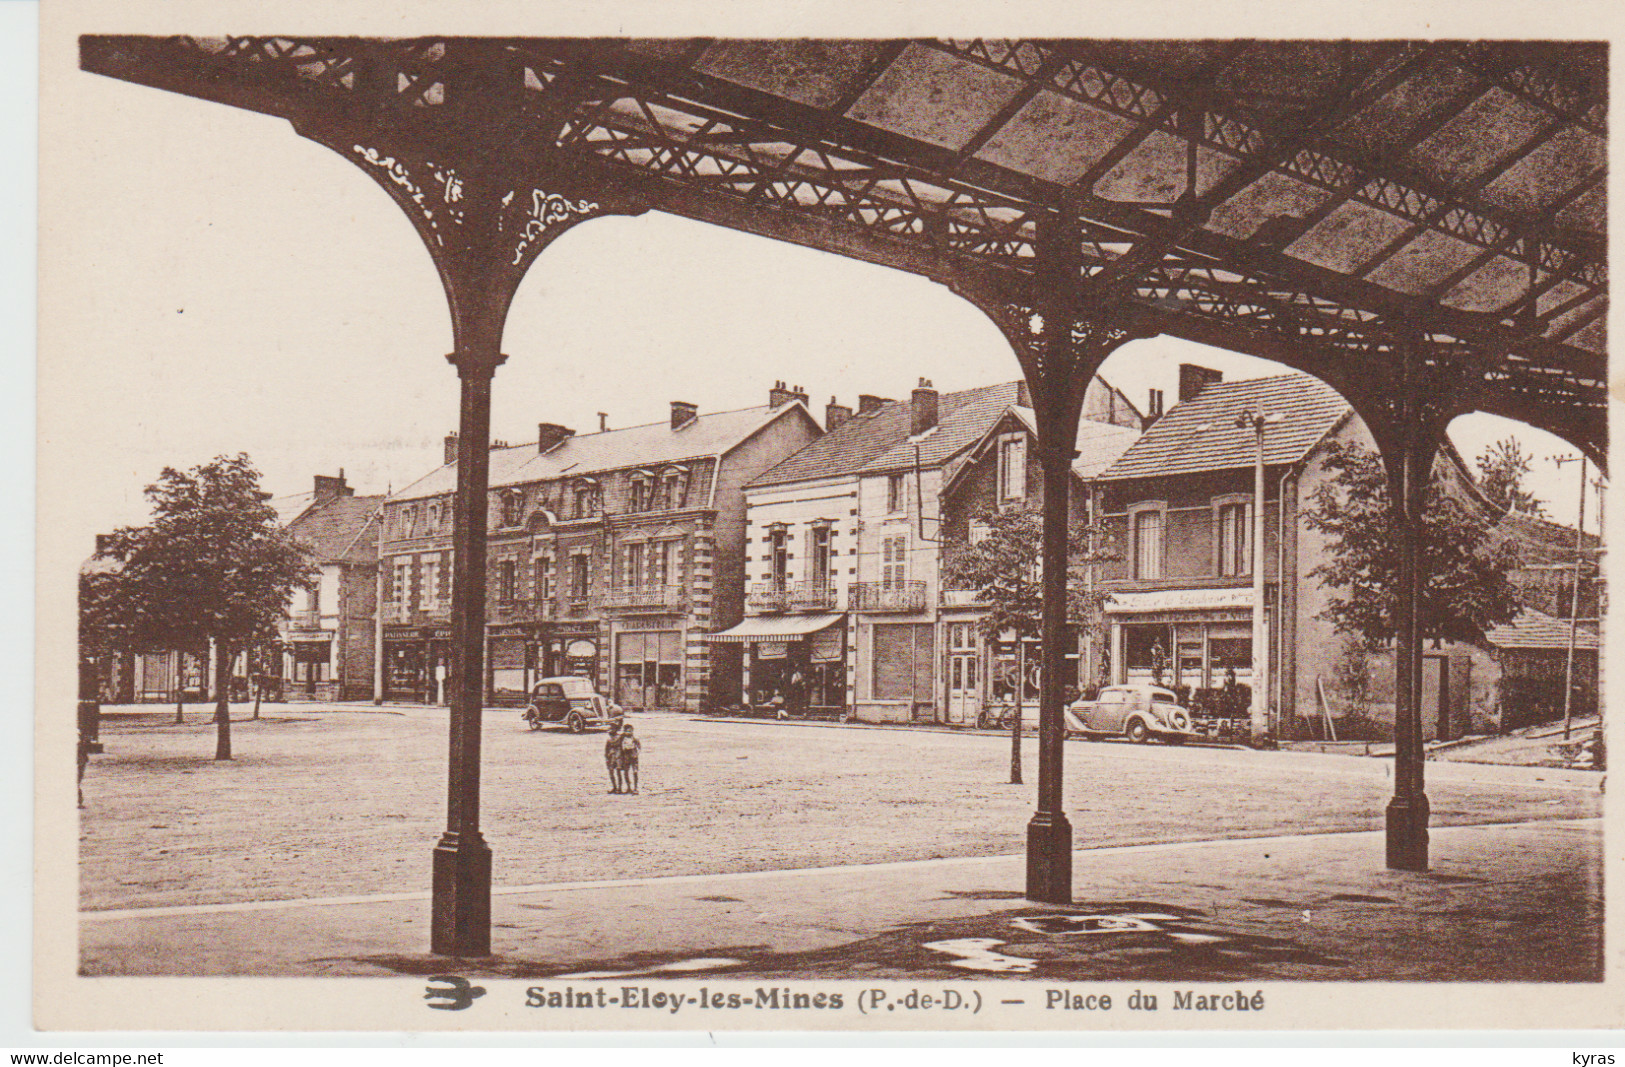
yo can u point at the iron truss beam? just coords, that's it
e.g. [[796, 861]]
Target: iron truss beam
[[703, 148]]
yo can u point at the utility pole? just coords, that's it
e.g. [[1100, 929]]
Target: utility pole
[[1260, 710], [1574, 597]]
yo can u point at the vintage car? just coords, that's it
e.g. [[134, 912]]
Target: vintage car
[[569, 702], [1137, 712]]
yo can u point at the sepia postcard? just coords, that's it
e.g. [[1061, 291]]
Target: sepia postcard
[[693, 518]]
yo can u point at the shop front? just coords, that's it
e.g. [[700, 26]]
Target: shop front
[[1197, 642], [417, 663], [649, 669], [307, 669], [516, 657], [794, 665]]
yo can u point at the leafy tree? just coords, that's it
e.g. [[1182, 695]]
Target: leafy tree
[[1501, 471], [214, 565], [1004, 568], [1465, 590]]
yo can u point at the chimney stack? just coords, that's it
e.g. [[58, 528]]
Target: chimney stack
[[451, 448], [1193, 379], [1153, 410], [603, 421], [781, 394], [549, 434], [497, 443], [868, 404], [922, 408], [835, 414], [330, 488], [683, 413], [102, 541]]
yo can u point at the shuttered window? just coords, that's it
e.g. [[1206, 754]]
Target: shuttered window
[[903, 661]]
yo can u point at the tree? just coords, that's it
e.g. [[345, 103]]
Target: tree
[[1465, 590], [214, 565], [1004, 568], [1501, 471]]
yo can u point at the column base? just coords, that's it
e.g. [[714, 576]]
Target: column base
[[1049, 858], [460, 909], [1408, 833]]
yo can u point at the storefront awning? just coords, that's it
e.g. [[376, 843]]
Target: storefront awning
[[775, 628], [1179, 600]]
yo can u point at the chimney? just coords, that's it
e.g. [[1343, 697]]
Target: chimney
[[835, 414], [868, 405], [497, 443], [781, 394], [603, 421], [922, 408], [1153, 410], [102, 541], [451, 448], [549, 434], [329, 488], [683, 413], [1193, 379]]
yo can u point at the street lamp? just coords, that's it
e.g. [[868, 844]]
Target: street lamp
[[1260, 713]]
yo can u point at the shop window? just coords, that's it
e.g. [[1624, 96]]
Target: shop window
[[1232, 539], [896, 494], [649, 669], [1147, 526], [1012, 468]]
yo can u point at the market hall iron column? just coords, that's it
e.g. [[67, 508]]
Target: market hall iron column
[[1061, 334], [484, 220]]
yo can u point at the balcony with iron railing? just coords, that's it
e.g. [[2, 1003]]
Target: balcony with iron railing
[[645, 598], [899, 597], [511, 611], [772, 598], [305, 620], [402, 613]]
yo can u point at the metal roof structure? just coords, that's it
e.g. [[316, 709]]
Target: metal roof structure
[[1314, 202]]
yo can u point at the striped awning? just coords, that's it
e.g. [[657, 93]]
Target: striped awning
[[775, 628]]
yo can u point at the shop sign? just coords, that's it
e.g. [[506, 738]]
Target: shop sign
[[582, 649], [824, 646], [1179, 600], [772, 649]]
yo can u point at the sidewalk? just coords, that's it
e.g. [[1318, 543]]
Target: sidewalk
[[1513, 902]]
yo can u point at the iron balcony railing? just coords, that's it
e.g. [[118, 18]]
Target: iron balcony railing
[[792, 596], [648, 598], [884, 596], [503, 611]]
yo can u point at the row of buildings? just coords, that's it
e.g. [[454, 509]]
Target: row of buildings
[[763, 558]]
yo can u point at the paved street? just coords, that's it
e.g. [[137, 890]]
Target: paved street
[[322, 803]]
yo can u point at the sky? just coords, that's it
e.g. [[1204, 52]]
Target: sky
[[234, 287]]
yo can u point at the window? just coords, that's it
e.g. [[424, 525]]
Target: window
[[673, 489], [896, 494], [978, 531], [1232, 539], [400, 590], [818, 553], [1148, 544], [778, 556], [431, 582], [506, 587], [544, 579], [1012, 472], [433, 524], [633, 578], [578, 577], [893, 564], [513, 508], [660, 563], [640, 494], [583, 500]]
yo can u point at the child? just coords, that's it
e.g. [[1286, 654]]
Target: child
[[630, 748], [612, 757]]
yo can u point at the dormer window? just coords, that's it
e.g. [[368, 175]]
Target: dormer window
[[673, 491], [1012, 471], [513, 507], [433, 524], [642, 498], [583, 499]]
